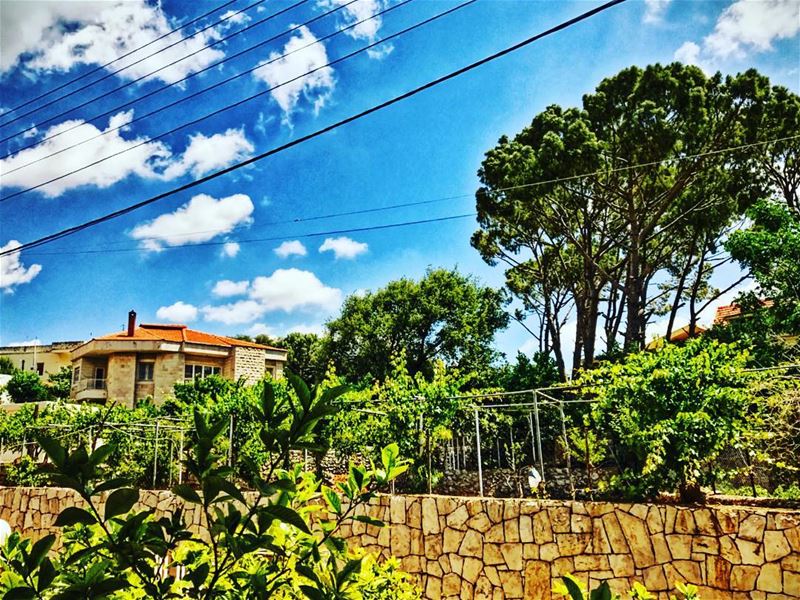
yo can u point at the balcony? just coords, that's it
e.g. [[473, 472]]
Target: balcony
[[93, 388]]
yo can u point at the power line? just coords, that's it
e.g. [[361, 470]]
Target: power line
[[375, 108], [228, 107], [415, 203], [267, 239], [138, 79], [137, 49], [202, 91]]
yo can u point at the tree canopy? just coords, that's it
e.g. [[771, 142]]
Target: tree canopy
[[445, 315]]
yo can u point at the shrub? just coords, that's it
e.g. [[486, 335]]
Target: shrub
[[25, 386], [279, 541], [667, 415]]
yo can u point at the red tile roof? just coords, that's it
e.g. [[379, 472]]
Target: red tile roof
[[181, 333], [729, 312]]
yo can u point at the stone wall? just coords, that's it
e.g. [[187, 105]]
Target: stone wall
[[248, 363], [465, 548]]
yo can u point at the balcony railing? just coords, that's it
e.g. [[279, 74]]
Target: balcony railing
[[94, 383]]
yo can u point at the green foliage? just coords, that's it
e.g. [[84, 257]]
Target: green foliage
[[667, 415], [25, 386], [305, 356], [278, 540], [444, 316], [528, 373], [59, 384], [416, 412], [6, 366], [570, 587], [25, 472]]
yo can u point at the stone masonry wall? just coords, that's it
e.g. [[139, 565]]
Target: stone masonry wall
[[492, 549], [248, 363]]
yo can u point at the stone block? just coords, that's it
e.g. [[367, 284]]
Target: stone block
[[791, 584], [451, 585], [600, 543], [680, 546], [542, 531], [479, 522], [654, 521], [559, 519], [492, 555], [776, 546], [400, 540], [770, 579], [684, 522], [472, 544], [548, 552], [512, 554], [689, 570], [638, 539], [743, 577], [580, 524], [622, 565], [512, 584], [525, 529], [458, 518], [791, 563], [472, 569], [705, 544], [433, 588], [729, 551], [592, 562], [752, 528], [718, 572], [570, 544], [430, 516], [495, 534], [614, 532], [752, 553], [452, 540], [654, 579], [511, 530]]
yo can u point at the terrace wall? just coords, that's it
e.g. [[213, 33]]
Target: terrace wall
[[465, 548]]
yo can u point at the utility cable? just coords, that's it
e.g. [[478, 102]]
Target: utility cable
[[138, 79], [319, 132], [267, 239], [228, 107], [408, 205], [199, 92], [128, 53]]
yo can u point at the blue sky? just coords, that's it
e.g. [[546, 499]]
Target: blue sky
[[426, 148]]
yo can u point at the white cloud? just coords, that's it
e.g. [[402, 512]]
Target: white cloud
[[293, 248], [206, 154], [48, 36], [142, 161], [226, 288], [199, 220], [261, 329], [282, 329], [343, 247], [235, 313], [285, 290], [138, 156], [290, 289], [688, 53], [654, 10], [230, 249], [33, 342], [12, 271], [180, 312], [368, 30], [746, 26], [316, 88]]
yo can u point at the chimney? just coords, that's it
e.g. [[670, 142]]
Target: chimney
[[131, 323]]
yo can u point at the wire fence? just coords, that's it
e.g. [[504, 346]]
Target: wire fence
[[520, 443]]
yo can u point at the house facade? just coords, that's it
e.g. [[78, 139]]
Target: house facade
[[43, 359], [147, 360]]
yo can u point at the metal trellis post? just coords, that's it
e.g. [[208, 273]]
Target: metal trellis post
[[566, 448], [478, 447], [538, 433], [155, 454]]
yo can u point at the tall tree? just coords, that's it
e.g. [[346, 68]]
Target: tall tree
[[445, 315], [630, 195]]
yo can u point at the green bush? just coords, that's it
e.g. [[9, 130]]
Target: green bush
[[667, 415], [25, 386], [278, 541]]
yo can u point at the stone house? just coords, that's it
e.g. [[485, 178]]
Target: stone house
[[147, 360], [43, 359]]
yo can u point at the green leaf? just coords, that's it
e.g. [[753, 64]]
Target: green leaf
[[603, 592], [572, 587], [47, 573], [55, 451], [72, 515], [345, 574], [20, 593], [101, 454], [312, 593], [287, 515], [39, 551], [187, 493], [112, 484], [268, 400], [368, 520], [121, 501]]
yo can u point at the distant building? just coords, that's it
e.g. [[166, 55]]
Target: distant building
[[40, 358], [677, 336], [731, 312], [149, 359]]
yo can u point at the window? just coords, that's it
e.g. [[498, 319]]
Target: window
[[191, 371], [76, 374], [144, 372], [40, 369]]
